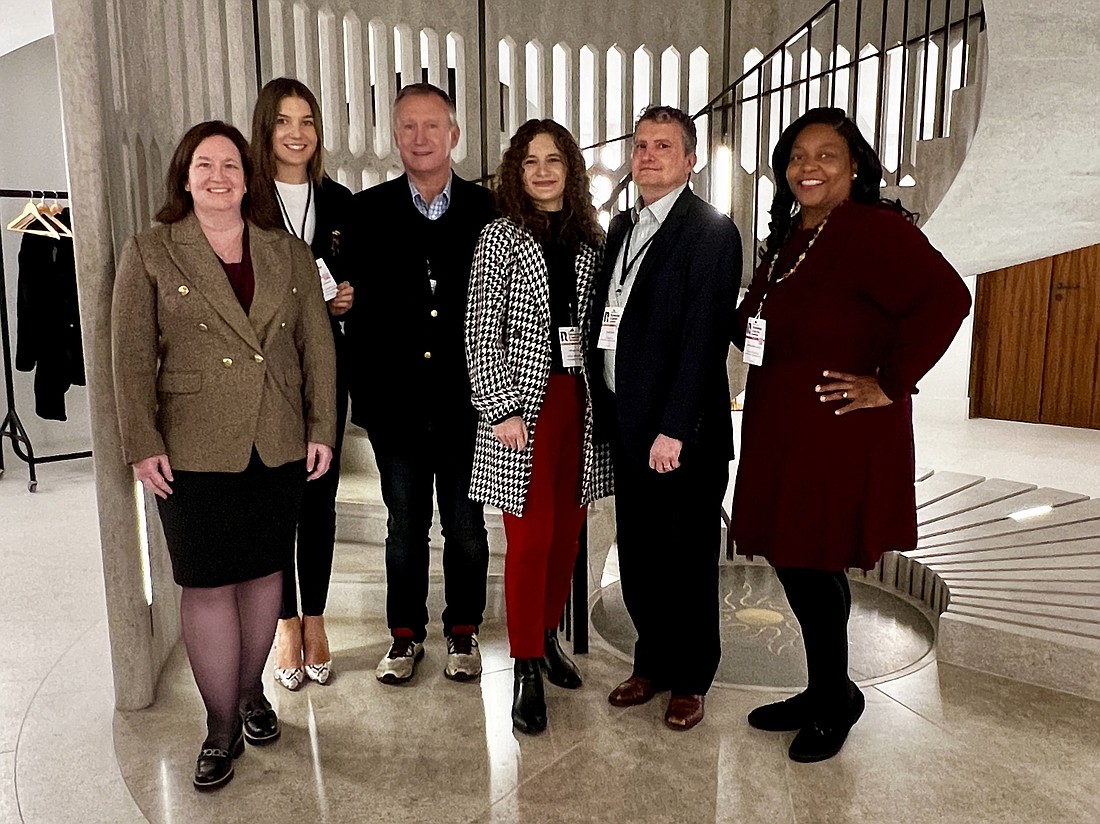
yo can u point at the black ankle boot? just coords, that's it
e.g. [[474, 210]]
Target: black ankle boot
[[560, 670], [528, 702]]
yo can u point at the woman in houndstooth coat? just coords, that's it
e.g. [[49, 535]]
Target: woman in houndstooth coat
[[531, 293]]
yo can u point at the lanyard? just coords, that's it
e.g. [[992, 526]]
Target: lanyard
[[286, 214], [627, 267]]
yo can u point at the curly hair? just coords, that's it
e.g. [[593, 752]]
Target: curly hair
[[579, 223], [265, 208], [865, 186]]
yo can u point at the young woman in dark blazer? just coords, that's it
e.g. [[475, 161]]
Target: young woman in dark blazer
[[532, 282], [291, 191]]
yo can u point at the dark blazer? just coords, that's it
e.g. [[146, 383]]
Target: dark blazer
[[201, 381], [48, 321], [405, 344], [333, 202], [670, 361]]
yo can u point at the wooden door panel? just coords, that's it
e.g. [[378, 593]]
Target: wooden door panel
[[1073, 335], [1010, 330]]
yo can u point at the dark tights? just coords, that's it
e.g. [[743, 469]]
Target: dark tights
[[228, 632], [822, 603]]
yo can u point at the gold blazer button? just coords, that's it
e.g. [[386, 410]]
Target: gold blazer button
[[427, 354], [435, 313], [293, 290], [203, 327], [183, 290], [258, 358], [282, 325], [227, 362]]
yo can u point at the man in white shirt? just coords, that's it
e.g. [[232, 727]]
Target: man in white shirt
[[671, 272]]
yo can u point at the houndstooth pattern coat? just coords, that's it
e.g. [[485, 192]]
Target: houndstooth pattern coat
[[508, 352]]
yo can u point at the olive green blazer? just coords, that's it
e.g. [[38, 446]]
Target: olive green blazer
[[198, 379]]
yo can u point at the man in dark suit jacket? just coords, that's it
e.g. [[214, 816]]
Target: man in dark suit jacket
[[669, 285], [408, 247]]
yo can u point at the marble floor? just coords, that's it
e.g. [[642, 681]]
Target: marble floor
[[937, 743]]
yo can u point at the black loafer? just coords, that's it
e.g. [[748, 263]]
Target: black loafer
[[214, 767], [559, 668], [261, 724], [783, 716], [822, 740], [528, 701]]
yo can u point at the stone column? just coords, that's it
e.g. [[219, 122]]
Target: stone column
[[137, 652]]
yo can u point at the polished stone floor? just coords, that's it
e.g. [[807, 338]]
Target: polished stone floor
[[936, 744], [761, 641]]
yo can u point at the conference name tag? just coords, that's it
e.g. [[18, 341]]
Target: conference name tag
[[609, 327], [569, 339], [328, 282], [754, 342]]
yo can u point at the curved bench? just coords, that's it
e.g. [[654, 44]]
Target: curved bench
[[1010, 573]]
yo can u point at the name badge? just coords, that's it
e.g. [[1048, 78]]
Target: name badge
[[609, 327], [328, 282], [569, 339], [754, 342]]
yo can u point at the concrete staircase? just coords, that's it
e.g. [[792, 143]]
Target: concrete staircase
[[1012, 572]]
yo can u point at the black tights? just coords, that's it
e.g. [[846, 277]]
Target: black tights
[[822, 603], [228, 632]]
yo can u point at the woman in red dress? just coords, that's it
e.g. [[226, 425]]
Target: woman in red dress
[[849, 308]]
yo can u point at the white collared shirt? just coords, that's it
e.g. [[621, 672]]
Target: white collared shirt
[[647, 220], [440, 203]]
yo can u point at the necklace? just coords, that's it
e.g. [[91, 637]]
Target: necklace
[[771, 266], [801, 257]]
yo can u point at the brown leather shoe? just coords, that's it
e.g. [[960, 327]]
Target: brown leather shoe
[[684, 711], [635, 690]]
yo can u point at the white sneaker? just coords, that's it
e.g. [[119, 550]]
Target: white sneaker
[[399, 664], [463, 655]]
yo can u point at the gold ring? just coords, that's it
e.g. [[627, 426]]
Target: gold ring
[[844, 395]]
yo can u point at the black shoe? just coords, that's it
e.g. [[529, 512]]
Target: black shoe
[[560, 670], [261, 724], [528, 701], [822, 740], [214, 767], [783, 716]]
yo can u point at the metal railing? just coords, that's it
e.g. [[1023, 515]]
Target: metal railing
[[891, 64]]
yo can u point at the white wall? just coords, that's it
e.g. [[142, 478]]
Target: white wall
[[32, 156]]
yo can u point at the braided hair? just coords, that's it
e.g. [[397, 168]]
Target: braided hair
[[865, 186]]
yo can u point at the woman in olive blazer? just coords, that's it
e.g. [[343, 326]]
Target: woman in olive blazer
[[225, 383]]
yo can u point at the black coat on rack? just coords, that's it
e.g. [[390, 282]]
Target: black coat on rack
[[48, 321]]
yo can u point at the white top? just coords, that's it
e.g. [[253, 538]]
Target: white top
[[294, 198], [647, 220]]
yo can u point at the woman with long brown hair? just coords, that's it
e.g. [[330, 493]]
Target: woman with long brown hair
[[531, 293], [291, 192]]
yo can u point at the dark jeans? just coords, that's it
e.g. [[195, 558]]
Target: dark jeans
[[407, 481], [316, 531]]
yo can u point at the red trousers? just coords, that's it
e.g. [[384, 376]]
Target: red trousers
[[543, 543]]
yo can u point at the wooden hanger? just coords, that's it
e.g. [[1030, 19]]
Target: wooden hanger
[[32, 222], [51, 212]]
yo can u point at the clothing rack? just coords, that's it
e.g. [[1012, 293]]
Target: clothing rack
[[12, 427]]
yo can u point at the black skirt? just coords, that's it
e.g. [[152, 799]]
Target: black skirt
[[228, 527]]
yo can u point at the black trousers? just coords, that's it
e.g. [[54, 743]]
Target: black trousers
[[822, 603], [669, 540], [316, 531], [442, 459]]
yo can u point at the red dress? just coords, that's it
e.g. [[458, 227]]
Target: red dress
[[820, 490]]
